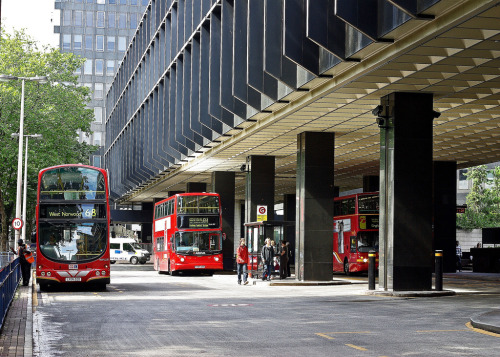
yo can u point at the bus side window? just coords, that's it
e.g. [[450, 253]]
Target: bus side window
[[353, 244]]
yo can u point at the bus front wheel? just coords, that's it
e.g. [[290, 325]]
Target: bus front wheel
[[346, 267]]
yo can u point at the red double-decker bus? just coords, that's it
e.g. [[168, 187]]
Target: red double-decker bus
[[356, 227], [72, 226], [188, 233]]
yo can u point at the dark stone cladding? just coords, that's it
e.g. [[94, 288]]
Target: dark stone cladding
[[197, 69]]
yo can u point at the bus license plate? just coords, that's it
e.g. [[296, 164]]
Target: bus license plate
[[73, 266], [199, 267], [73, 279]]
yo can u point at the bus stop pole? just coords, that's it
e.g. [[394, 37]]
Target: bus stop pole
[[439, 271], [371, 270]]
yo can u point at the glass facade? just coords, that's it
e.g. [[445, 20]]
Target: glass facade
[[95, 30]]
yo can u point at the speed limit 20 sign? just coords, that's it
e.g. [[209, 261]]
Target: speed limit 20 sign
[[17, 223]]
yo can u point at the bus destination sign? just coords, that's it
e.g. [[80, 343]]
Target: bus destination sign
[[196, 222], [72, 211]]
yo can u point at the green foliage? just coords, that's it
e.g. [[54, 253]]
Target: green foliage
[[483, 200], [55, 109]]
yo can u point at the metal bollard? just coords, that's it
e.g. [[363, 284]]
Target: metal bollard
[[439, 271], [371, 269]]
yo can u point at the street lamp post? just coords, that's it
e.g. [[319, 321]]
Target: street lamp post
[[25, 193], [5, 78]]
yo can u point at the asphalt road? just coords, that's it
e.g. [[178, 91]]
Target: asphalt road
[[142, 313]]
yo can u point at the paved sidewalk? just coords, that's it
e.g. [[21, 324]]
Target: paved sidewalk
[[16, 337]]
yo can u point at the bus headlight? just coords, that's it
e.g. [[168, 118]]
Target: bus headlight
[[216, 259], [103, 273], [49, 274], [98, 273], [43, 273], [365, 260], [182, 260]]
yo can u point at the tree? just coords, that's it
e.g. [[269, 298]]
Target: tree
[[483, 200], [55, 109]]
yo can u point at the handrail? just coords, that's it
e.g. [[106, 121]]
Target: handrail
[[10, 275]]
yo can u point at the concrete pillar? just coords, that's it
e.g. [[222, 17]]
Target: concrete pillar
[[289, 208], [196, 187], [223, 183], [147, 228], [406, 257], [445, 212], [371, 183], [314, 210], [259, 188]]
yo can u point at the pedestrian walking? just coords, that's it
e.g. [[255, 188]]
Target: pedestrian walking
[[267, 256], [25, 265], [283, 260], [242, 261], [458, 256]]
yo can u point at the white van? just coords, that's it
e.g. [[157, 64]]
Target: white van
[[127, 249]]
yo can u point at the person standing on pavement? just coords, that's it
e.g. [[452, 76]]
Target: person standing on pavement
[[242, 261], [459, 256], [289, 260], [267, 255], [25, 265], [283, 260]]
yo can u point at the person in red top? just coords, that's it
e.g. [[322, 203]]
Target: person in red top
[[242, 261]]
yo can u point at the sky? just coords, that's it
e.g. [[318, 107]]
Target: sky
[[38, 17]]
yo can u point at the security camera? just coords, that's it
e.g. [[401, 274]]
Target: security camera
[[378, 110]]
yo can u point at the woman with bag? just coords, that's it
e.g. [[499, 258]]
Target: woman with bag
[[25, 259]]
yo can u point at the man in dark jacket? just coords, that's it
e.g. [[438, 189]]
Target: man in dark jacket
[[267, 256], [25, 266]]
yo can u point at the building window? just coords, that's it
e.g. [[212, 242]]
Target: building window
[[99, 43], [100, 19], [122, 21], [88, 42], [67, 17], [89, 19], [85, 138], [110, 67], [96, 160], [99, 67], [66, 42], [90, 1], [133, 21], [111, 20], [123, 2], [133, 2], [98, 114], [122, 44], [78, 18], [100, 2], [97, 138], [78, 1], [111, 44], [463, 184], [112, 2], [77, 42], [98, 90], [145, 2], [87, 68], [78, 70]]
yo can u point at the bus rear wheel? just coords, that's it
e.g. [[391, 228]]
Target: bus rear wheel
[[346, 267]]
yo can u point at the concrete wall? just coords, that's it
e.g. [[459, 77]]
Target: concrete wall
[[469, 239]]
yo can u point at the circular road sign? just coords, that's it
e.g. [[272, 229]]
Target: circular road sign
[[262, 210], [17, 223]]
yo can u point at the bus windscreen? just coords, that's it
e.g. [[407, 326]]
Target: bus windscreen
[[73, 183]]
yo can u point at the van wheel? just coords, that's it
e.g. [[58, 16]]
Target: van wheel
[[134, 260], [346, 267], [112, 261]]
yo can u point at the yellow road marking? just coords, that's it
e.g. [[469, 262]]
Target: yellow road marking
[[356, 347], [430, 331], [484, 332], [326, 336]]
